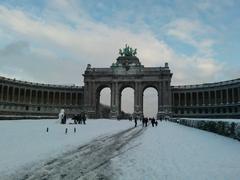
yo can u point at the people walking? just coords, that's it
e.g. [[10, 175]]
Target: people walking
[[146, 121], [143, 122], [135, 121], [156, 122], [153, 122], [84, 118]]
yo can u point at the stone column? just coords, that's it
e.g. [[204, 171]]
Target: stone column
[[24, 95], [71, 99], [1, 95], [239, 95], [114, 100], [173, 99], [185, 99], [191, 98], [90, 95], [227, 98], [112, 96], [65, 98], [11, 95], [7, 93], [76, 101], [165, 105], [53, 98], [140, 99], [221, 93], [160, 104], [160, 97], [215, 97], [136, 98], [41, 97], [30, 96], [120, 102], [59, 98], [117, 98], [197, 102], [179, 99], [94, 97], [209, 98], [203, 97], [19, 95], [233, 98], [48, 98]]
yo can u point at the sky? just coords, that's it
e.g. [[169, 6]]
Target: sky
[[52, 41]]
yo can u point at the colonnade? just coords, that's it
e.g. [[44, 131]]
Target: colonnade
[[25, 95], [212, 100], [207, 98]]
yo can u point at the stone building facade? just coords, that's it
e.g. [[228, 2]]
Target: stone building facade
[[218, 100], [26, 98], [127, 72]]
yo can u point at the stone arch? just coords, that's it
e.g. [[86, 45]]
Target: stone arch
[[121, 90], [98, 91], [126, 72], [157, 94]]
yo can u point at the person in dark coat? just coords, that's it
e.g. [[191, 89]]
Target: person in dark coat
[[135, 121], [153, 122], [143, 122], [84, 118], [80, 119], [64, 119], [146, 122], [156, 122]]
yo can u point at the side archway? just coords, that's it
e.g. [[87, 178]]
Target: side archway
[[103, 101]]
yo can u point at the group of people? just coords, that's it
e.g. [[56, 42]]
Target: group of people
[[80, 118], [145, 121]]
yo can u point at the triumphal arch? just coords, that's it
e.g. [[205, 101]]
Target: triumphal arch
[[127, 71]]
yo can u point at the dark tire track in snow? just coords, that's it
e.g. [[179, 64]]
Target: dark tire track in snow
[[90, 161]]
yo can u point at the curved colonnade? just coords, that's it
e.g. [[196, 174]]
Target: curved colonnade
[[27, 98], [217, 100]]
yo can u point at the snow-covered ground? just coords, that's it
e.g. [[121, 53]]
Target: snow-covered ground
[[23, 142], [169, 151]]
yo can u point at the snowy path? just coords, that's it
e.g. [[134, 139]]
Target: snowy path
[[167, 152], [171, 151], [90, 161]]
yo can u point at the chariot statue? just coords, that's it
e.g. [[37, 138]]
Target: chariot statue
[[127, 51]]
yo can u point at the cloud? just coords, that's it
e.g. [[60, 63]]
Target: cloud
[[86, 41], [192, 32], [56, 46]]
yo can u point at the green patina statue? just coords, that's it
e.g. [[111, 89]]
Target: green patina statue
[[127, 51]]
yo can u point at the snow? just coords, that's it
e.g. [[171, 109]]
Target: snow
[[24, 142], [171, 151], [168, 151]]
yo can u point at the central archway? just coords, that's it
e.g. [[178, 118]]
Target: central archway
[[150, 102], [126, 102]]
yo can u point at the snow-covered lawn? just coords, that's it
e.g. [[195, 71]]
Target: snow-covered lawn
[[23, 142], [171, 151]]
